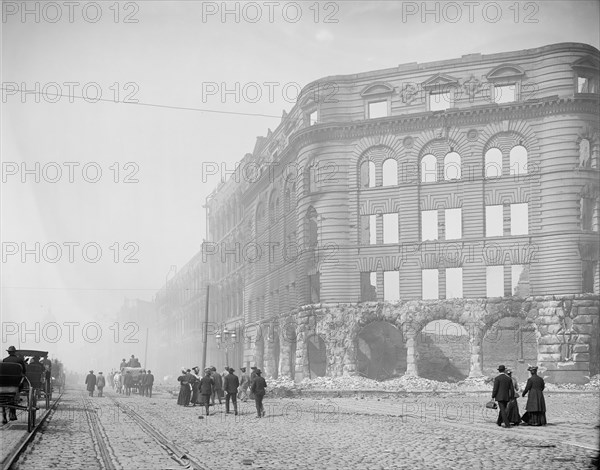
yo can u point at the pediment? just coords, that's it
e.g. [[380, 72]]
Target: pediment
[[440, 80], [379, 88], [505, 71], [587, 64]]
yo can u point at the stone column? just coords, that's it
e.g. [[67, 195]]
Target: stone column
[[476, 345], [411, 355]]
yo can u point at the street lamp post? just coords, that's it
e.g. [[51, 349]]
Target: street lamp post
[[222, 338]]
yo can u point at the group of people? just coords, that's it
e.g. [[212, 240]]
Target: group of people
[[132, 362], [124, 381], [505, 392], [203, 390], [92, 382]]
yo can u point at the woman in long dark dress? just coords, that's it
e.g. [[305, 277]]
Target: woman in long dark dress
[[184, 390], [513, 408], [536, 405]]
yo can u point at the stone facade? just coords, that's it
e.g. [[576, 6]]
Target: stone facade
[[480, 209]]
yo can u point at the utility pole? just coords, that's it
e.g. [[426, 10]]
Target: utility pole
[[205, 329]]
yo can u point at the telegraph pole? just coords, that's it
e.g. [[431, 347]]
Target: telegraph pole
[[205, 329]]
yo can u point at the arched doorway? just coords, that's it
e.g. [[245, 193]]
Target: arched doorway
[[510, 341], [316, 356], [381, 352], [443, 351]]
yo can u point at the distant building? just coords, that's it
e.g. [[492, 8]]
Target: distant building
[[464, 190]]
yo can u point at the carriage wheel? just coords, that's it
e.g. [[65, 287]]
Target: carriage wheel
[[31, 404], [48, 397]]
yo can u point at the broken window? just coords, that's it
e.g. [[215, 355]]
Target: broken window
[[453, 219], [312, 118], [430, 283], [493, 163], [454, 283], [440, 101], [390, 228], [518, 160], [505, 93], [587, 212], [390, 172], [429, 225], [584, 153], [588, 269], [367, 174], [494, 221], [368, 229], [519, 219], [378, 109], [494, 281], [428, 169], [314, 288], [519, 280], [452, 166], [391, 286], [368, 286], [587, 84]]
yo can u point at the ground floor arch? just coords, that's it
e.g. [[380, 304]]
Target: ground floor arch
[[381, 352], [316, 355], [443, 351]]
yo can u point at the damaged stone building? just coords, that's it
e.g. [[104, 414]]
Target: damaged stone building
[[431, 219]]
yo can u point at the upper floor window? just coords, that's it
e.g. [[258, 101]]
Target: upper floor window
[[390, 172], [391, 286], [428, 169], [519, 219], [438, 101], [378, 109], [587, 77], [440, 91], [430, 284], [367, 174], [390, 228], [494, 221], [368, 229], [312, 117], [368, 286], [584, 153], [518, 160], [494, 281], [429, 225], [453, 219], [587, 84], [493, 163], [505, 93], [452, 166], [454, 283]]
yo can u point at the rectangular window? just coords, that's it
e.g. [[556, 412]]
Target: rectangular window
[[430, 283], [429, 225], [378, 109], [519, 280], [453, 219], [390, 228], [312, 118], [368, 287], [505, 93], [587, 84], [588, 269], [587, 213], [372, 230], [314, 288], [440, 101], [494, 281], [494, 221], [454, 283], [519, 219], [391, 286]]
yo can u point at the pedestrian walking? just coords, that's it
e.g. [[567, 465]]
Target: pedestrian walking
[[258, 389], [90, 382], [244, 384], [218, 389], [231, 384], [118, 382], [100, 383], [513, 407], [252, 377], [142, 382], [195, 385], [149, 383], [503, 392], [535, 410], [206, 389]]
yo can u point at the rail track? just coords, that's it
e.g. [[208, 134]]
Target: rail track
[[24, 441]]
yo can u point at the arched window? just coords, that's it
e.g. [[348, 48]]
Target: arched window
[[311, 227], [390, 172], [493, 163], [272, 209], [452, 166], [260, 219], [312, 177], [367, 174], [428, 169], [518, 160]]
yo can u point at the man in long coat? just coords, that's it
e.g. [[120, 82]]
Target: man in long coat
[[12, 357], [258, 389], [218, 389], [231, 384], [503, 392], [149, 383], [244, 384], [206, 388], [100, 383], [90, 381], [535, 411]]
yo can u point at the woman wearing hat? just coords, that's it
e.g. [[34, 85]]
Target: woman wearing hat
[[513, 408], [535, 414]]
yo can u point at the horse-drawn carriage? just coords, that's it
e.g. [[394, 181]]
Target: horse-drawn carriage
[[136, 373], [35, 384]]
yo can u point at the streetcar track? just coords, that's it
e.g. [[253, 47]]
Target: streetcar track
[[181, 457], [104, 451], [27, 438]]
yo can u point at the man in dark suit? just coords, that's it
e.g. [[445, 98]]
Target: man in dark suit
[[503, 392], [206, 388], [230, 385], [12, 357]]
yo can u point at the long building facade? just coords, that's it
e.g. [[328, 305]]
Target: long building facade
[[464, 191]]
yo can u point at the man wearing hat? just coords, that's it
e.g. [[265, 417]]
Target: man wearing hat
[[230, 385], [253, 375], [503, 392], [258, 389], [206, 388], [90, 381], [535, 410], [100, 383], [12, 357], [244, 384]]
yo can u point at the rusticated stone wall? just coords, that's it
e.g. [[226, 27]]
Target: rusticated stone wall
[[566, 328]]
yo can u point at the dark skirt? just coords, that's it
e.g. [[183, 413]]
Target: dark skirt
[[184, 395], [534, 418], [513, 412]]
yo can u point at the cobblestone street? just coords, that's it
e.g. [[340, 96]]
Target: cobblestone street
[[443, 431]]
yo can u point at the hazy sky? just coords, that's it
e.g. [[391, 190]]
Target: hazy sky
[[175, 55]]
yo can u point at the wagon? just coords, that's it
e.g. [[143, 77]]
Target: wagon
[[135, 374], [39, 374], [13, 384]]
